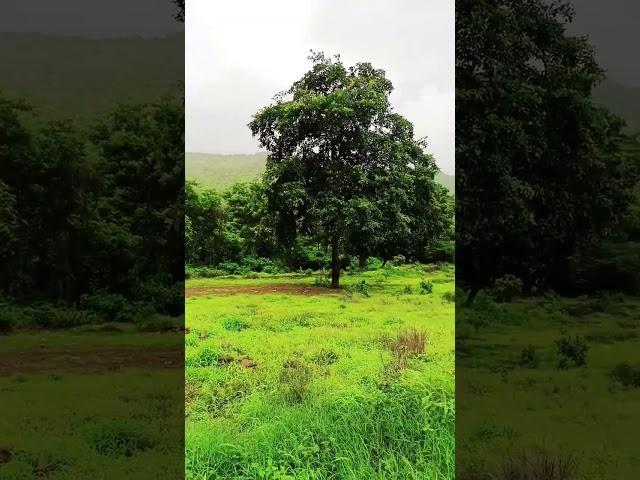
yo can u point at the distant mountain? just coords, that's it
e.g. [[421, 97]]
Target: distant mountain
[[622, 100], [220, 171], [73, 77]]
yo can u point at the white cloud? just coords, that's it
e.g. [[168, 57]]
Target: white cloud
[[239, 54]]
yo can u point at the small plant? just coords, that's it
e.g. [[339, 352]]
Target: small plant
[[449, 297], [398, 260], [407, 290], [625, 373], [321, 281], [294, 379], [362, 288], [539, 466], [234, 324], [426, 287], [529, 357], [406, 345], [325, 357], [571, 351], [506, 288]]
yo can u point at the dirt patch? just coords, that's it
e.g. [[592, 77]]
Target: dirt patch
[[281, 289], [89, 361]]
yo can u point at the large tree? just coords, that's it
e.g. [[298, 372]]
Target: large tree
[[537, 162], [341, 164]]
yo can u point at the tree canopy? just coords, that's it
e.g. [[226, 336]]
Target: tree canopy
[[538, 165], [343, 168]]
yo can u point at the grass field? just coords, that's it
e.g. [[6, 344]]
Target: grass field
[[221, 171], [89, 405], [289, 380], [514, 398]]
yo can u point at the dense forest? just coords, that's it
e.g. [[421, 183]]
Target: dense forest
[[93, 216]]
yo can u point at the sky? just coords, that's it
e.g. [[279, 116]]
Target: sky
[[240, 54]]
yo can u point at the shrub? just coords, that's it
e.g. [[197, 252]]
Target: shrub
[[426, 287], [164, 298], [540, 466], [407, 290], [449, 297], [407, 344], [440, 251], [112, 306], [398, 260], [325, 357], [321, 281], [295, 378], [529, 357], [203, 272], [233, 323], [362, 288], [506, 288], [571, 351], [625, 373]]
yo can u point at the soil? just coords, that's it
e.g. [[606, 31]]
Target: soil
[[43, 360], [279, 289]]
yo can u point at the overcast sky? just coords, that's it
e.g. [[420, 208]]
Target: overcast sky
[[239, 54]]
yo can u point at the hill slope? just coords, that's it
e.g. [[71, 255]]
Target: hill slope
[[622, 100], [72, 77], [220, 171]]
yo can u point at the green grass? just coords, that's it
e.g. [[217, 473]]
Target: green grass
[[507, 407], [126, 423], [221, 171], [326, 398]]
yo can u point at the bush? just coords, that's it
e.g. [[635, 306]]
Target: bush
[[398, 260], [321, 281], [234, 323], [295, 379], [627, 374], [426, 287], [113, 307], [407, 344], [407, 290], [529, 357], [506, 288], [162, 297], [440, 251], [325, 357], [362, 288], [203, 272], [571, 352], [539, 466], [449, 297]]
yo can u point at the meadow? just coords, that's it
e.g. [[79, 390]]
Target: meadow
[[96, 403], [287, 379], [537, 377]]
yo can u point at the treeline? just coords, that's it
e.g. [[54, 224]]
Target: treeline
[[547, 179], [234, 232], [93, 215]]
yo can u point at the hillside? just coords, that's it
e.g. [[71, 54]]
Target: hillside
[[72, 77], [622, 100], [220, 171]]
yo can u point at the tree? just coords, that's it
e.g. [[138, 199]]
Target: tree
[[537, 162], [340, 161]]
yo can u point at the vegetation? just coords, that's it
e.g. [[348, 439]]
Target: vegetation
[[320, 384]]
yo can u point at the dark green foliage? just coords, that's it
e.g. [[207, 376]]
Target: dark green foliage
[[572, 352], [344, 170], [88, 216], [234, 323], [426, 287], [362, 288], [627, 374], [506, 288], [294, 379], [539, 166], [529, 357]]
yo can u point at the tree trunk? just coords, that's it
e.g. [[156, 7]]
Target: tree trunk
[[362, 262], [335, 263], [472, 295]]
